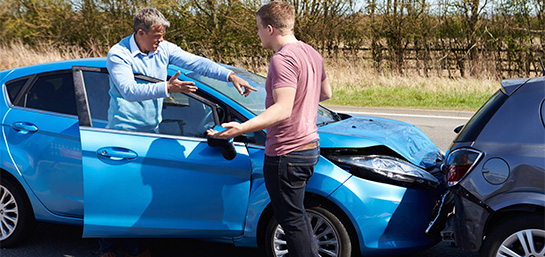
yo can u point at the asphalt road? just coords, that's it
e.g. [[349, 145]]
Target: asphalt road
[[65, 241]]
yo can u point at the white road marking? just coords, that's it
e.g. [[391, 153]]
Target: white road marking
[[411, 115]]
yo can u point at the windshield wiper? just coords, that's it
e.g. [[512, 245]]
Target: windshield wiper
[[326, 123]]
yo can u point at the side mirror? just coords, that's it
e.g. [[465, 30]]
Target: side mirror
[[458, 129], [227, 147]]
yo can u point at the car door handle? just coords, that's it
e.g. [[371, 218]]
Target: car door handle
[[116, 153], [24, 127]]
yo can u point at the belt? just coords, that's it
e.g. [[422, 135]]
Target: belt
[[310, 145]]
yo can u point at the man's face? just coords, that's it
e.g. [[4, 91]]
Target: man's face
[[263, 33], [150, 41]]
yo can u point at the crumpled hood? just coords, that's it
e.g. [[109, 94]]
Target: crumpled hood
[[364, 131]]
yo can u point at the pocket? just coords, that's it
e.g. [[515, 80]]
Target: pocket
[[300, 173]]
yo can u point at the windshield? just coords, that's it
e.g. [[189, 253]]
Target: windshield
[[255, 102]]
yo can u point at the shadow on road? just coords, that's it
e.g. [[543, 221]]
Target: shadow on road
[[54, 240]]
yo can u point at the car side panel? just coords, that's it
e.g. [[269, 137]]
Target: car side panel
[[172, 188], [516, 135], [388, 219], [49, 159], [326, 179]]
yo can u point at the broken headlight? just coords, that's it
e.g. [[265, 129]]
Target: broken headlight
[[386, 169]]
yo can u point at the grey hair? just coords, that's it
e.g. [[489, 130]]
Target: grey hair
[[148, 18]]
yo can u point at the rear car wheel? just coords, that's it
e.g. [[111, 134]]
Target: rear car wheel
[[16, 216], [522, 235], [330, 234]]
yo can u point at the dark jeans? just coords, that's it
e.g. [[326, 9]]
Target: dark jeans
[[286, 177]]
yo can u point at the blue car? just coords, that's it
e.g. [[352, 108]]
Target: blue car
[[373, 191]]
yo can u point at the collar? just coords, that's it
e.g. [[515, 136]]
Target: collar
[[135, 50], [297, 42]]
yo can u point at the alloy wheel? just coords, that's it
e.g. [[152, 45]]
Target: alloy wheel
[[524, 243], [324, 234], [9, 214]]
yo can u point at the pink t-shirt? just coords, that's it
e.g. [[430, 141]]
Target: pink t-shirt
[[299, 66]]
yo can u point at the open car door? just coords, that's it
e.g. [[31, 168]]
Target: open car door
[[165, 184]]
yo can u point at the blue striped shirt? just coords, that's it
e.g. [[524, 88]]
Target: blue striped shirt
[[137, 105]]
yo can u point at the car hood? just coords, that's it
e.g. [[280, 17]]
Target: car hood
[[363, 131]]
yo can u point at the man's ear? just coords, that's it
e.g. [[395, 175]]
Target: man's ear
[[270, 29], [140, 32]]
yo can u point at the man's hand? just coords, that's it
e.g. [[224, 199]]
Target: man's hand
[[174, 85], [239, 83], [232, 129]]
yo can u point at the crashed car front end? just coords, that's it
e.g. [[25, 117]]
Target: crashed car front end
[[394, 185]]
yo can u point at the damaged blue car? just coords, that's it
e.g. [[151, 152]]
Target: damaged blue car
[[373, 191]]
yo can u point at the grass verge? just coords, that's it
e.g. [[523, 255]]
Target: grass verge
[[355, 84], [408, 97]]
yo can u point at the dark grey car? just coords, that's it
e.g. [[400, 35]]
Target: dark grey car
[[496, 174]]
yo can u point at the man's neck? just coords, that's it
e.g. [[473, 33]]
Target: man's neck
[[136, 39], [282, 40]]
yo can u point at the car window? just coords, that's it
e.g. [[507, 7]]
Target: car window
[[182, 115], [186, 116], [97, 86], [53, 93], [14, 87]]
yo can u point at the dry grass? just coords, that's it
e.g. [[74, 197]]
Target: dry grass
[[354, 83], [353, 75], [17, 54]]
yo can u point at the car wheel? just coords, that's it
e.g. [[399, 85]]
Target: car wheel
[[330, 233], [523, 235], [16, 216]]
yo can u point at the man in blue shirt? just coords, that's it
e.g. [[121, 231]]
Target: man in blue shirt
[[137, 106]]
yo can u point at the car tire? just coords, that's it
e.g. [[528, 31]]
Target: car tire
[[17, 221], [513, 234], [330, 233]]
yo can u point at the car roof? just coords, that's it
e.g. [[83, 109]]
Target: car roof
[[511, 85], [50, 66], [65, 65]]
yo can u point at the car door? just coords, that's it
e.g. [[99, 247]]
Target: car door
[[41, 133], [162, 184]]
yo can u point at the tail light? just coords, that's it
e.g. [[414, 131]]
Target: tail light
[[459, 163]]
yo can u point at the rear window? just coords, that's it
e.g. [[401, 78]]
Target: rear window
[[54, 93], [14, 87], [475, 125]]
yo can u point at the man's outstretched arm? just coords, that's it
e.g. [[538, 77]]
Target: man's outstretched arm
[[276, 113]]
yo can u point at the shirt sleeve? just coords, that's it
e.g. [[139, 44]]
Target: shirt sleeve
[[201, 65], [122, 76], [283, 71]]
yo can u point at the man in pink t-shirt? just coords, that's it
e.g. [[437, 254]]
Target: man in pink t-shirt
[[298, 66], [296, 82]]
